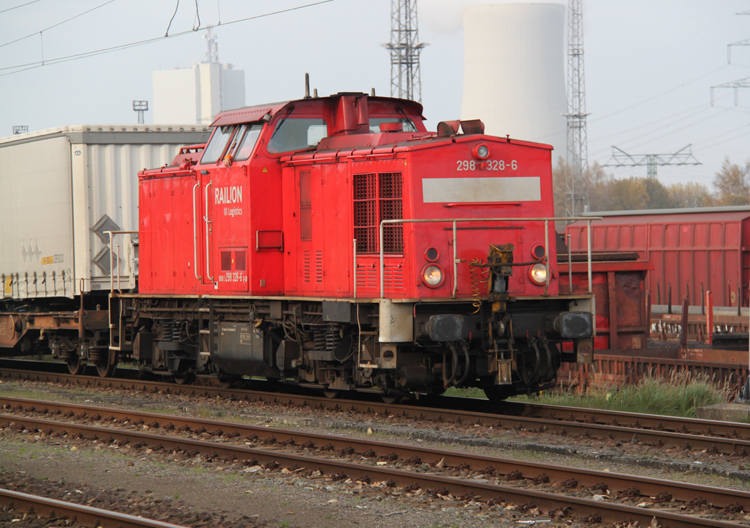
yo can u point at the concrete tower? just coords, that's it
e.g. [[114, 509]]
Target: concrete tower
[[197, 94], [514, 71]]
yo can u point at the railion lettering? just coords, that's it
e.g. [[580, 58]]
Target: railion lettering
[[228, 195]]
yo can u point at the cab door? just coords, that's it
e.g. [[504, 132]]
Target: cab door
[[204, 233], [309, 230], [230, 206]]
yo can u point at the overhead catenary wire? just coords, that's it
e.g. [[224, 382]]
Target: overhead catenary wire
[[198, 16], [18, 68], [661, 94], [166, 33], [22, 5], [55, 25]]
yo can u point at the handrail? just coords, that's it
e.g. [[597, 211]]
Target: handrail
[[455, 221], [354, 252], [195, 237], [112, 257], [208, 225]]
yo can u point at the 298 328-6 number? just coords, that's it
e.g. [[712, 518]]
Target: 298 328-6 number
[[492, 165]]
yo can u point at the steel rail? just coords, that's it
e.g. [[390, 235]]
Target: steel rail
[[648, 487], [587, 422], [610, 512], [83, 514], [655, 422]]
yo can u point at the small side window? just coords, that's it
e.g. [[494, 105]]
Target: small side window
[[217, 145], [239, 260], [406, 123], [226, 261], [297, 133]]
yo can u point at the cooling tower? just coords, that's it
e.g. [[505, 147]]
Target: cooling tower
[[514, 71]]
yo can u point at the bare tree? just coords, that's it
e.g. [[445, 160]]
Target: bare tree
[[732, 184], [690, 194]]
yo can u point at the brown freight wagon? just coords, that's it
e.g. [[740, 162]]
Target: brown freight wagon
[[692, 250]]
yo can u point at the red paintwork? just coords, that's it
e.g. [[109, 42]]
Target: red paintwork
[[622, 321], [188, 156], [705, 250], [257, 209]]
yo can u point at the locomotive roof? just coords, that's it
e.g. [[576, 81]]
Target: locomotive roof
[[249, 114]]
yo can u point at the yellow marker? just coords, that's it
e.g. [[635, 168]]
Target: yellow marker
[[8, 285], [265, 169]]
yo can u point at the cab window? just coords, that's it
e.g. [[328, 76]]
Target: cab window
[[297, 133], [247, 141], [217, 145], [406, 123]]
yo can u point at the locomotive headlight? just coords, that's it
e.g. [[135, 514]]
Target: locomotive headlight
[[481, 152], [537, 252], [538, 273], [432, 275]]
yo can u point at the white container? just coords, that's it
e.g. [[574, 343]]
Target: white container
[[61, 188], [514, 71]]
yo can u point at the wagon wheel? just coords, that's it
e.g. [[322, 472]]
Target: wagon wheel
[[106, 365], [333, 394], [75, 365], [390, 400]]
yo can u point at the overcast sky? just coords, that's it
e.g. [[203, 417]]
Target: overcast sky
[[649, 64]]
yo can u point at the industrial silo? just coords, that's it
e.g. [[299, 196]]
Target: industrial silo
[[514, 71]]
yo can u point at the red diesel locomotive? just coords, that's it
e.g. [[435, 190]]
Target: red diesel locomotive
[[333, 242], [330, 242]]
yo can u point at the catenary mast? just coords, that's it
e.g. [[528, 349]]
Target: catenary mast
[[576, 197], [405, 48]]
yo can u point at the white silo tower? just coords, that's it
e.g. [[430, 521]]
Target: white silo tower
[[514, 71]]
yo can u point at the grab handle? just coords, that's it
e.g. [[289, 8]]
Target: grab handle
[[208, 228], [195, 237]]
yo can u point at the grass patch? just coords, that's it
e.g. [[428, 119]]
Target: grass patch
[[471, 392], [677, 395]]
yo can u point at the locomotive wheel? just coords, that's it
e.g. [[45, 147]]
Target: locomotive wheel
[[227, 381], [390, 400], [333, 394], [183, 378], [498, 393], [75, 365]]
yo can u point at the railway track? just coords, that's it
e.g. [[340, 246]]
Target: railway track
[[725, 438], [85, 515], [552, 488]]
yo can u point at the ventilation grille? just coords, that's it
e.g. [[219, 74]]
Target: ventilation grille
[[105, 223], [378, 197], [368, 277], [319, 267], [102, 261], [306, 261]]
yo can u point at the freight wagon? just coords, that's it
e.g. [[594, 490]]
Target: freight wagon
[[692, 250], [61, 191]]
